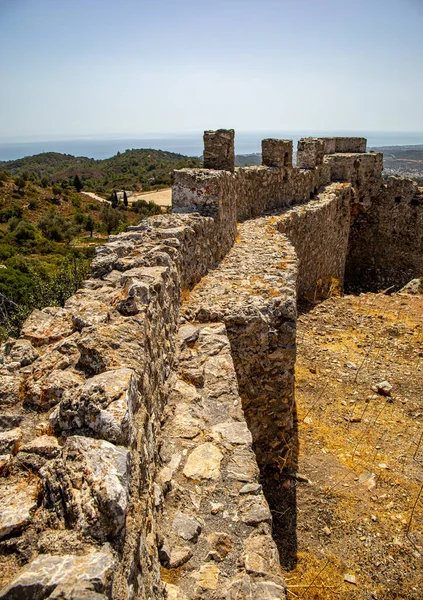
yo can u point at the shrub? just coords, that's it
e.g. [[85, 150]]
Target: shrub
[[55, 227]]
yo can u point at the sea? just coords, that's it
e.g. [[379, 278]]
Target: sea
[[188, 144]]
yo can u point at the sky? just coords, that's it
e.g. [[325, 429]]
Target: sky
[[102, 68]]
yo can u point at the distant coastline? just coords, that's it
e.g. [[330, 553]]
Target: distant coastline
[[187, 144]]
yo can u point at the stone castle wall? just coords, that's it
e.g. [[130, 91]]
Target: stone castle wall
[[386, 241], [135, 419]]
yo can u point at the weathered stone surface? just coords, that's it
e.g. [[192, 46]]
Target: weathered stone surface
[[219, 149], [186, 527], [21, 351], [245, 588], [179, 556], [242, 465], [255, 510], [9, 441], [18, 502], [10, 421], [9, 390], [105, 404], [44, 445], [276, 153], [45, 573], [49, 389], [234, 432], [207, 577], [204, 462], [47, 326], [260, 554], [88, 485]]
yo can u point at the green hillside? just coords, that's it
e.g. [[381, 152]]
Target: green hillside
[[47, 238], [130, 170]]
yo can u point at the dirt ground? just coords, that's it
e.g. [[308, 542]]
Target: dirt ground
[[349, 518]]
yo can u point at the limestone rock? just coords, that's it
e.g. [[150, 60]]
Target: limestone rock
[[188, 334], [105, 405], [9, 390], [255, 510], [9, 441], [179, 556], [46, 573], [220, 544], [174, 592], [86, 312], [186, 527], [246, 588], [44, 445], [204, 462], [21, 351], [242, 465], [18, 502], [207, 577], [260, 554], [47, 326], [251, 488], [383, 388], [50, 388], [88, 485], [234, 432], [10, 421]]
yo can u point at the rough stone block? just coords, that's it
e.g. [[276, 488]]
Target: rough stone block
[[219, 149], [88, 485], [310, 152], [46, 326], [276, 153], [18, 502], [46, 573], [105, 404]]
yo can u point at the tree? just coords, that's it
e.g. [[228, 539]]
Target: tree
[[20, 183], [115, 200], [77, 183], [125, 199], [89, 224], [110, 217]]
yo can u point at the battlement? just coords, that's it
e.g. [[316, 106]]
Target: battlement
[[137, 420]]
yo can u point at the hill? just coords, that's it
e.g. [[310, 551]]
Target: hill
[[406, 161], [47, 239], [131, 170]]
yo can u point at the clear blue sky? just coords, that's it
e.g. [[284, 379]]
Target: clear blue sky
[[129, 67]]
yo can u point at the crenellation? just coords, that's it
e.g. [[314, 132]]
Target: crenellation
[[136, 418], [276, 153], [310, 152], [219, 149]]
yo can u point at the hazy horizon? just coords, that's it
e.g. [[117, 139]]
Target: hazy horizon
[[97, 69]]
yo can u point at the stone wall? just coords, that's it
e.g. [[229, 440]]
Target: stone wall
[[134, 419], [82, 394], [319, 232], [386, 240]]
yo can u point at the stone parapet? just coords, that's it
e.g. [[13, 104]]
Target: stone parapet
[[253, 291], [320, 229], [214, 526]]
